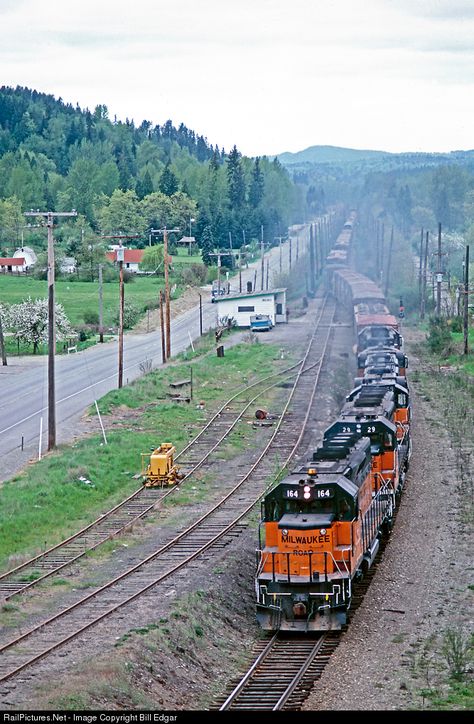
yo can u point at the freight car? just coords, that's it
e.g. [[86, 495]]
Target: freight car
[[321, 526]]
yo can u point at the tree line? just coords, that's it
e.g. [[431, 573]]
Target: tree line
[[121, 178]]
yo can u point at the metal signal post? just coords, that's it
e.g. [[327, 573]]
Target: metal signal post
[[51, 321]]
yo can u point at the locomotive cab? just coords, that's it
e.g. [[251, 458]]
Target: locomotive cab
[[311, 539]]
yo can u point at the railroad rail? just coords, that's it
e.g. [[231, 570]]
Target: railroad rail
[[283, 673], [142, 501], [49, 635]]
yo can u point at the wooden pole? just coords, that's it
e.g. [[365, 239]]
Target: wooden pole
[[162, 328], [200, 315], [121, 311], [420, 270], [389, 259], [262, 252], [167, 296], [438, 276], [101, 310], [51, 340], [2, 345], [466, 303], [425, 270]]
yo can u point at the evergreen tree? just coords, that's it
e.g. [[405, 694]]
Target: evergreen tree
[[168, 182], [235, 180], [207, 246], [144, 185], [257, 185]]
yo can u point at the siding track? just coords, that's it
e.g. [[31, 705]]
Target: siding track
[[221, 520]]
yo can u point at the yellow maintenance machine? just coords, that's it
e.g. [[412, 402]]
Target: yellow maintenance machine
[[160, 469]]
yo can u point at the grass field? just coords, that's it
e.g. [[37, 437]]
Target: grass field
[[79, 297]]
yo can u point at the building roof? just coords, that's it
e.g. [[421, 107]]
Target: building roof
[[263, 293], [22, 250], [12, 261], [131, 256]]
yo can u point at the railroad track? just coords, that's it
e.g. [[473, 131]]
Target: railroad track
[[219, 521], [282, 674], [143, 500]]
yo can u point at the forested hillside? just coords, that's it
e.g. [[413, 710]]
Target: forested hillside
[[126, 179]]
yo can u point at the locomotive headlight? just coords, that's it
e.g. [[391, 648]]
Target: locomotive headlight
[[323, 531]]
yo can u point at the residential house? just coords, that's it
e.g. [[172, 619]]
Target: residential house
[[131, 259]]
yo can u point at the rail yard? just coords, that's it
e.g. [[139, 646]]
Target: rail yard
[[54, 633]]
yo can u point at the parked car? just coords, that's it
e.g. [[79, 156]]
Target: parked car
[[260, 323]]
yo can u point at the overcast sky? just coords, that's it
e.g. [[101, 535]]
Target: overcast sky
[[266, 75]]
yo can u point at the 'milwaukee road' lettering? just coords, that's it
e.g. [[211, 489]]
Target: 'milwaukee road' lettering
[[305, 539]]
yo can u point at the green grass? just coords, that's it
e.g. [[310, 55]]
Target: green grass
[[460, 695], [79, 297], [48, 502]]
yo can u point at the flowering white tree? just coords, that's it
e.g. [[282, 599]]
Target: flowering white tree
[[29, 321]]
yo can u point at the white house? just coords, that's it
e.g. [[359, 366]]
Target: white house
[[68, 265], [242, 306]]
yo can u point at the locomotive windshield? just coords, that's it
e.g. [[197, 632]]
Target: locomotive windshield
[[274, 508]]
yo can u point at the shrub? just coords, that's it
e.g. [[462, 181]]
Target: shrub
[[439, 336], [194, 274], [131, 313], [91, 317]]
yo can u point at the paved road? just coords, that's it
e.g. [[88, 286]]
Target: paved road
[[86, 376]]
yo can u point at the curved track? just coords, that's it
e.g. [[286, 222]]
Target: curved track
[[193, 457], [46, 637]]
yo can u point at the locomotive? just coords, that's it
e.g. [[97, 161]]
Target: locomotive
[[321, 526]]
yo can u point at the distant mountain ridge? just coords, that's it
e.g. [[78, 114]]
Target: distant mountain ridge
[[329, 154], [348, 159]]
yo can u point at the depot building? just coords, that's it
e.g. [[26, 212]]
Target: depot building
[[243, 306]]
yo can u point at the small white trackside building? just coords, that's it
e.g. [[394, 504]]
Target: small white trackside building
[[243, 306]]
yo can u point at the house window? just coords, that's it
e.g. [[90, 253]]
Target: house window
[[279, 308], [246, 309]]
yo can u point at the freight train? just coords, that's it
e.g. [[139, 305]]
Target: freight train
[[321, 526]]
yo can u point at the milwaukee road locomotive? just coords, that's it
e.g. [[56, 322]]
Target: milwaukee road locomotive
[[321, 526]]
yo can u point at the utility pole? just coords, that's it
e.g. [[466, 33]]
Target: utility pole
[[162, 330], [49, 215], [466, 303], [120, 256], [165, 233], [420, 268], [279, 239], [262, 252], [312, 271], [2, 345], [423, 284], [439, 276], [101, 309], [289, 254], [387, 277], [200, 314]]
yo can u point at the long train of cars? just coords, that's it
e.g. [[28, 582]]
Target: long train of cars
[[321, 526]]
